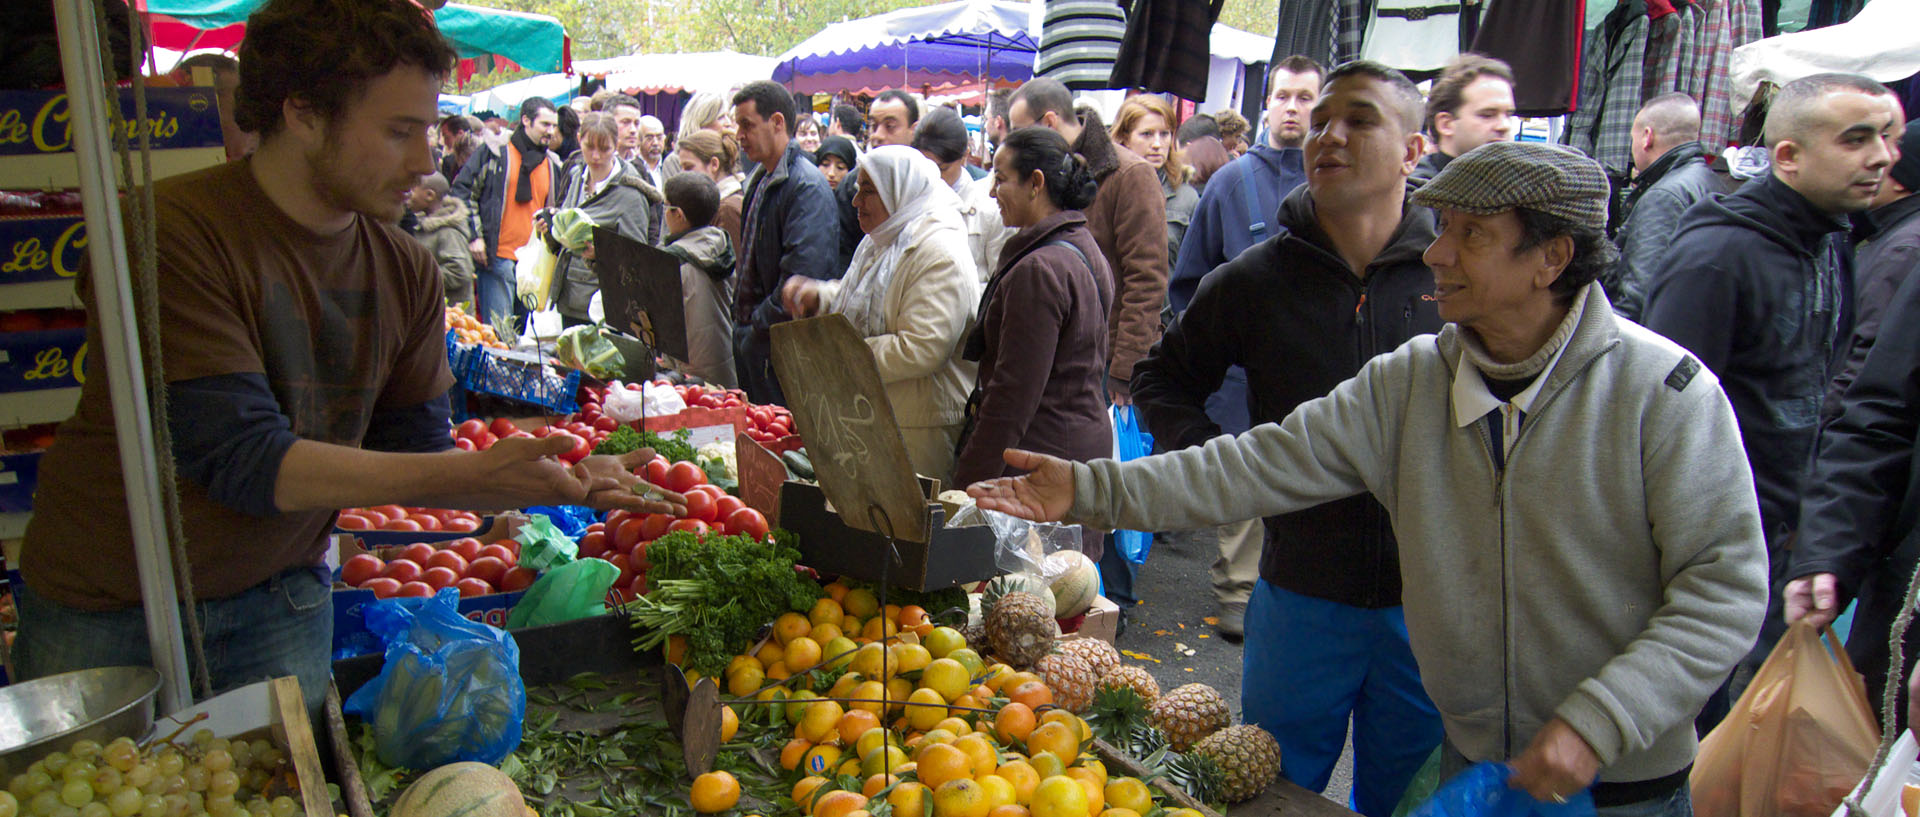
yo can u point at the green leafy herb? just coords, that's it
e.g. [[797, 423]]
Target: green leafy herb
[[718, 593]]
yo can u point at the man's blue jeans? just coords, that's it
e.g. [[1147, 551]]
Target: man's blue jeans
[[493, 289], [283, 626]]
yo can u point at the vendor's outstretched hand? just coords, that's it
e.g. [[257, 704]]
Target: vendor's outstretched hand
[[1557, 764], [611, 485], [1045, 494], [522, 471]]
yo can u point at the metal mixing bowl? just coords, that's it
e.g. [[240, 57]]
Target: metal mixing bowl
[[49, 714]]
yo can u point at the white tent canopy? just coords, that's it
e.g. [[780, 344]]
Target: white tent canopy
[[656, 73], [505, 99], [1232, 51], [1878, 42]]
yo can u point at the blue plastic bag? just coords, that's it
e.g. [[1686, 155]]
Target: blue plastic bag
[[1482, 791], [450, 689], [1131, 442], [572, 520]]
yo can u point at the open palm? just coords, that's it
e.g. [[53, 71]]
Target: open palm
[[1044, 494]]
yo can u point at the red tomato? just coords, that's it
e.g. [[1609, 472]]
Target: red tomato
[[682, 476], [402, 524], [699, 528], [418, 552], [593, 544], [630, 531], [468, 548], [360, 568], [499, 552], [402, 570], [711, 490], [487, 569], [518, 578], [614, 518], [392, 512], [471, 429], [627, 572], [638, 557], [596, 527], [749, 523], [657, 526], [724, 507], [779, 428], [472, 587], [418, 590], [461, 525], [439, 577], [691, 392], [700, 506], [543, 432], [656, 471], [486, 440], [465, 444], [448, 559], [581, 449], [606, 424], [502, 426], [354, 521], [426, 521], [639, 586], [382, 587]]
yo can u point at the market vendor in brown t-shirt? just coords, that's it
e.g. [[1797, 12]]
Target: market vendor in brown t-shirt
[[302, 341]]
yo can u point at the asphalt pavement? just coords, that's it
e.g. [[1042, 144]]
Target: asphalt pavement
[[1171, 630]]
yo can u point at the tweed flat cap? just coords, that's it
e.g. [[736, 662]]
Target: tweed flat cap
[[1500, 176]]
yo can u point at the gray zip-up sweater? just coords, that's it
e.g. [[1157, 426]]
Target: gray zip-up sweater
[[1610, 575]]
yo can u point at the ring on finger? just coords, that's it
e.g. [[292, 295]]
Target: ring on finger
[[1559, 799]]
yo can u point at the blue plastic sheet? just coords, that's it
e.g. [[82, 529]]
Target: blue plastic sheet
[[1131, 442], [1482, 791], [450, 689], [572, 520]]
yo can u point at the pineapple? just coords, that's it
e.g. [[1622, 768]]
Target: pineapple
[[1070, 679], [1248, 755], [1119, 716], [1021, 629], [1098, 654], [1189, 713], [976, 635], [1199, 775], [1131, 677], [1000, 586]]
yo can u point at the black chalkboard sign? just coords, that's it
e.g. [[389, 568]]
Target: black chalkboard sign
[[640, 289]]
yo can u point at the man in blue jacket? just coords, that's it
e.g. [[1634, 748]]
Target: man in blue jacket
[[1236, 211], [1758, 285], [790, 228], [1340, 281]]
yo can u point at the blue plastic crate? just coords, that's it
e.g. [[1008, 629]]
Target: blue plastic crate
[[524, 377], [457, 362]]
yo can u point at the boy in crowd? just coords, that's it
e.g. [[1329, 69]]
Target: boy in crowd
[[706, 275]]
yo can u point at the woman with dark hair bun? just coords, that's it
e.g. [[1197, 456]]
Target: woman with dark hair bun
[[1042, 337]]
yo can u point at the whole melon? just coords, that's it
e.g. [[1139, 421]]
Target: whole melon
[[1076, 582], [461, 790]]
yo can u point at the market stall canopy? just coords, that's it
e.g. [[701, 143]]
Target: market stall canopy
[[1878, 42], [667, 73], [939, 46], [1229, 43], [484, 38], [505, 99]]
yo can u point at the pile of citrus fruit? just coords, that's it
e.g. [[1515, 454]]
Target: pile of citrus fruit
[[914, 718]]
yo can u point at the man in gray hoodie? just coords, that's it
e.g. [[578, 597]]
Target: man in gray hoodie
[[1580, 546]]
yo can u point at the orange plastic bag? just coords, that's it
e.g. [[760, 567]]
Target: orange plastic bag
[[1798, 740]]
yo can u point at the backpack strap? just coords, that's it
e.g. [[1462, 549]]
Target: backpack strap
[[1258, 229]]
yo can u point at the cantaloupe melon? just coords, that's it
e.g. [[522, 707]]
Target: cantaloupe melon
[[1076, 580], [461, 790]]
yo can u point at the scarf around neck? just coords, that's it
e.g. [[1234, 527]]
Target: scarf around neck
[[531, 155]]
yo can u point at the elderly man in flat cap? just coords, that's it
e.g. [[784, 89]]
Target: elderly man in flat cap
[[1579, 543]]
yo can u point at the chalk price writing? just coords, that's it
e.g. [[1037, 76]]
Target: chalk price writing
[[29, 256], [52, 364], [51, 130]]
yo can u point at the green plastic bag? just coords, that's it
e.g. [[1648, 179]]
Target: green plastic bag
[[542, 545], [574, 590]]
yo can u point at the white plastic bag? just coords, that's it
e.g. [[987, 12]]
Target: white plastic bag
[[533, 273], [1883, 798], [662, 399], [545, 323]]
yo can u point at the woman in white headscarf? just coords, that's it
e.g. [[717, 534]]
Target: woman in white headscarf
[[912, 291]]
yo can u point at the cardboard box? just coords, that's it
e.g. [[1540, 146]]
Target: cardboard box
[[47, 359], [1102, 621], [350, 634], [42, 248], [19, 473], [947, 558]]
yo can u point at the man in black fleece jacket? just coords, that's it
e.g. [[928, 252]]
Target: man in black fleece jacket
[[1758, 285], [1340, 282]]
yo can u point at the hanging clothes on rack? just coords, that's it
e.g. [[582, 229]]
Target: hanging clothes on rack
[[1306, 28], [1544, 36], [1079, 40], [1350, 29], [1611, 82], [1166, 47], [1413, 35], [1713, 71]]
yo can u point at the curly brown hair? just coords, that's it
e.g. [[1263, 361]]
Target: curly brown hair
[[324, 53]]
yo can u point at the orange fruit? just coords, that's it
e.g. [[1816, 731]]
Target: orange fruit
[[1129, 793], [869, 696], [1096, 797], [820, 760], [838, 804], [825, 631], [790, 626], [996, 677], [820, 719], [945, 676], [676, 649], [729, 723], [910, 616], [855, 723], [957, 726], [925, 707], [777, 671], [714, 792], [745, 681], [999, 791], [860, 603], [939, 763], [1015, 810], [791, 753], [909, 799], [875, 783], [807, 791], [1032, 693], [801, 654], [909, 657], [1055, 737], [877, 628], [836, 591], [960, 797], [979, 752], [1046, 764], [826, 610], [1021, 774], [771, 651], [1058, 796], [1015, 679]]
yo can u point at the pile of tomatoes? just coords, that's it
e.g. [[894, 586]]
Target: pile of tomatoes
[[479, 435], [623, 538], [395, 517], [423, 568]]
